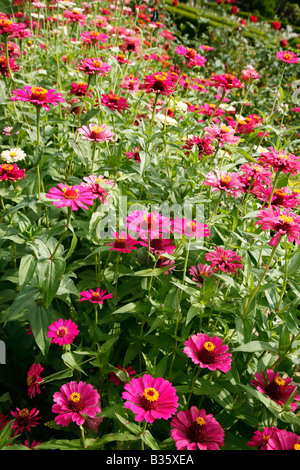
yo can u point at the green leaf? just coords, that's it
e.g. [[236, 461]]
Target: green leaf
[[149, 440], [26, 270], [40, 318], [256, 346], [49, 277], [70, 361]]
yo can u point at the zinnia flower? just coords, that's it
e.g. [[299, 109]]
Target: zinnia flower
[[202, 144], [79, 89], [114, 102], [283, 440], [123, 242], [222, 134], [71, 196], [34, 379], [190, 228], [99, 186], [9, 28], [283, 223], [158, 83], [13, 155], [194, 429], [194, 59], [95, 297], [227, 81], [62, 332], [11, 172], [76, 402], [150, 398], [230, 183], [24, 419], [288, 57], [147, 224], [260, 438], [93, 66], [38, 96], [280, 161], [224, 260], [208, 352], [200, 272], [275, 387], [93, 37], [4, 66], [96, 133]]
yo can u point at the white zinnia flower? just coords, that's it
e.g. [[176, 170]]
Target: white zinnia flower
[[162, 119], [13, 155]]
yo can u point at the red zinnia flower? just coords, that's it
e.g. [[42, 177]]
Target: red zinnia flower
[[208, 352], [79, 89], [34, 379], [150, 398], [24, 419], [38, 96], [76, 402], [114, 102], [276, 25], [159, 83], [203, 145], [62, 332], [224, 260], [96, 297], [275, 387], [227, 81], [194, 429]]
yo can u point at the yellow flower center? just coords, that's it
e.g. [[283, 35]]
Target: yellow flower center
[[62, 331], [279, 192], [286, 219], [5, 23], [225, 128], [7, 167], [279, 381], [160, 77], [200, 421], [209, 346], [283, 156], [97, 63], [38, 91], [287, 56], [94, 33], [12, 153], [225, 179], [30, 380], [151, 394], [75, 397], [70, 193], [296, 447], [24, 413], [97, 129]]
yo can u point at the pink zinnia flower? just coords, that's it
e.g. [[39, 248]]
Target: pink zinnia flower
[[38, 96], [71, 196], [166, 263], [8, 28], [75, 16], [76, 402], [80, 89], [150, 398], [255, 173], [99, 186], [130, 83], [193, 429], [13, 50], [4, 67], [34, 379], [131, 44], [224, 260], [208, 352], [200, 272], [159, 83], [96, 133], [93, 66], [194, 59], [283, 223], [227, 81], [250, 73], [283, 440], [275, 387], [280, 161], [114, 102], [10, 172], [62, 332], [288, 57], [209, 109], [96, 297], [123, 243], [260, 438], [190, 228], [127, 373], [146, 224], [283, 197], [24, 419], [93, 37], [230, 183], [222, 134], [160, 245], [135, 155]]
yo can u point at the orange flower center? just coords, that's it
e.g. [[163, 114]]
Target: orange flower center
[[62, 331], [38, 92], [209, 346], [70, 193], [150, 394], [225, 179], [287, 56], [24, 413], [97, 63], [200, 421], [7, 167]]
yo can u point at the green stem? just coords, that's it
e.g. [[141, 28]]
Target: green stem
[[274, 186], [63, 234]]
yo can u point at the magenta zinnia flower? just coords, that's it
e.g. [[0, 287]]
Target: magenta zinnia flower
[[288, 57], [159, 83], [203, 145], [99, 186], [208, 352], [283, 440], [200, 272], [114, 102], [96, 297], [123, 242], [4, 67], [38, 96], [227, 81], [93, 37], [260, 438], [194, 429], [76, 402], [24, 419], [280, 161], [230, 183], [150, 398], [71, 196], [275, 387], [96, 133], [194, 59], [62, 332], [283, 223], [9, 28], [190, 228], [223, 134], [127, 372], [146, 224], [93, 66], [10, 172], [224, 260], [34, 379]]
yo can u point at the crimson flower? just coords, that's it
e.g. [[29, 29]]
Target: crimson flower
[[224, 260], [10, 172], [4, 67], [34, 379], [227, 81], [202, 144], [9, 28], [123, 242], [24, 419], [159, 83], [275, 387], [79, 89], [114, 102]]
